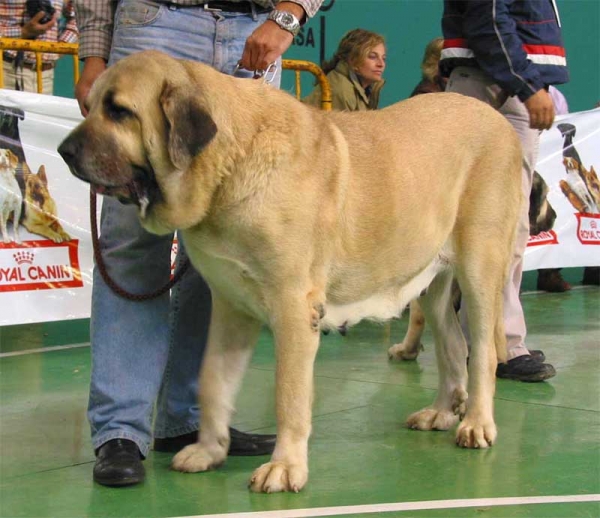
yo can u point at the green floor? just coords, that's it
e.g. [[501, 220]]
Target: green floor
[[360, 451]]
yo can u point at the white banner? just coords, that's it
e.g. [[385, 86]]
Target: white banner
[[568, 158], [46, 268]]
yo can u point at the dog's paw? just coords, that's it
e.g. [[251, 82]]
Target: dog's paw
[[459, 402], [317, 312], [275, 476], [472, 434], [404, 351], [432, 419], [195, 457]]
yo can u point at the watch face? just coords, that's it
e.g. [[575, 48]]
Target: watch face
[[287, 18]]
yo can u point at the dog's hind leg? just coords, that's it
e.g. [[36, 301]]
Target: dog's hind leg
[[410, 346], [451, 354], [296, 344], [231, 340]]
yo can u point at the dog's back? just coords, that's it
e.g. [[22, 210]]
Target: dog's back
[[449, 168]]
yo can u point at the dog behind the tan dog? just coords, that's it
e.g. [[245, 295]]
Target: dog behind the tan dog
[[302, 219], [541, 219]]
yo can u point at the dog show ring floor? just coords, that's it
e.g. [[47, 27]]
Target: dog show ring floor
[[363, 460]]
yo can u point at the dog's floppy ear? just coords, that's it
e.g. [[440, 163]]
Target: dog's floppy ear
[[190, 127]]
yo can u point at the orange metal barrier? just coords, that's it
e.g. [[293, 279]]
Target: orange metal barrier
[[307, 66], [39, 47]]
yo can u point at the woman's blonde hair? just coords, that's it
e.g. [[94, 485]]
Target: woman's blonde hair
[[353, 48], [431, 59]]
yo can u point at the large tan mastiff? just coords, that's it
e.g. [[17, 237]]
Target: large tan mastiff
[[302, 220]]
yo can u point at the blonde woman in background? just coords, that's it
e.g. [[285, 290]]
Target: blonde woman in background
[[431, 80], [355, 72]]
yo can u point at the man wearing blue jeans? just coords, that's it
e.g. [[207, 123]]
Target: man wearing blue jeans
[[148, 353], [506, 53]]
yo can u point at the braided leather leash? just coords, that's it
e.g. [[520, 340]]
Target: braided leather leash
[[107, 278]]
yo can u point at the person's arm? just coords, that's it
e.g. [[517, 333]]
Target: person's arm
[[492, 35], [95, 20], [269, 41], [69, 34], [11, 28]]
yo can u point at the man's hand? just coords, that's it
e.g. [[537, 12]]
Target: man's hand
[[92, 68], [541, 110], [33, 28], [265, 45], [269, 41]]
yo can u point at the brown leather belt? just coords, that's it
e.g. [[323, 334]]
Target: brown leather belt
[[246, 7], [30, 66]]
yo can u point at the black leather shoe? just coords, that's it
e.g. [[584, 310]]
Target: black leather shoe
[[538, 355], [525, 368], [241, 445], [119, 463], [249, 444]]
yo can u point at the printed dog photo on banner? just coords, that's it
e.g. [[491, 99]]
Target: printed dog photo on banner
[[39, 212], [36, 252], [581, 186], [565, 165]]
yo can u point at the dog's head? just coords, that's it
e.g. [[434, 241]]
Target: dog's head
[[591, 179], [8, 160], [541, 213], [147, 125], [36, 190]]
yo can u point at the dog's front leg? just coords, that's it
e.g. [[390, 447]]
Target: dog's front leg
[[3, 229], [231, 339], [296, 342]]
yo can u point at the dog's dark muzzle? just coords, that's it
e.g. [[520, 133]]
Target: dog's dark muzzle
[[108, 175], [70, 150]]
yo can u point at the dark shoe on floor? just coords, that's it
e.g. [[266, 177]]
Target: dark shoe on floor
[[538, 355], [591, 276], [242, 444], [525, 368], [119, 463], [551, 280]]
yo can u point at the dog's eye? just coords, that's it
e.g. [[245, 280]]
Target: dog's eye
[[117, 112]]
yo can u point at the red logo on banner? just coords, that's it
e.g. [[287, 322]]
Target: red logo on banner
[[39, 265], [543, 238], [588, 228]]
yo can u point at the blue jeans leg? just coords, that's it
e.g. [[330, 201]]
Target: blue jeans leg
[[141, 349]]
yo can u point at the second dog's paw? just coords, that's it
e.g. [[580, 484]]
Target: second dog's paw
[[432, 419], [276, 476], [459, 402], [404, 352], [195, 457]]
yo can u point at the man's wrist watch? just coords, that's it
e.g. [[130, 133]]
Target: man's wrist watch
[[287, 21]]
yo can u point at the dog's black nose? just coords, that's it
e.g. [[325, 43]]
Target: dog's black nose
[[68, 150]]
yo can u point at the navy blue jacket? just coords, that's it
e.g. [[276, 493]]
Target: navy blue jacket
[[516, 42]]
